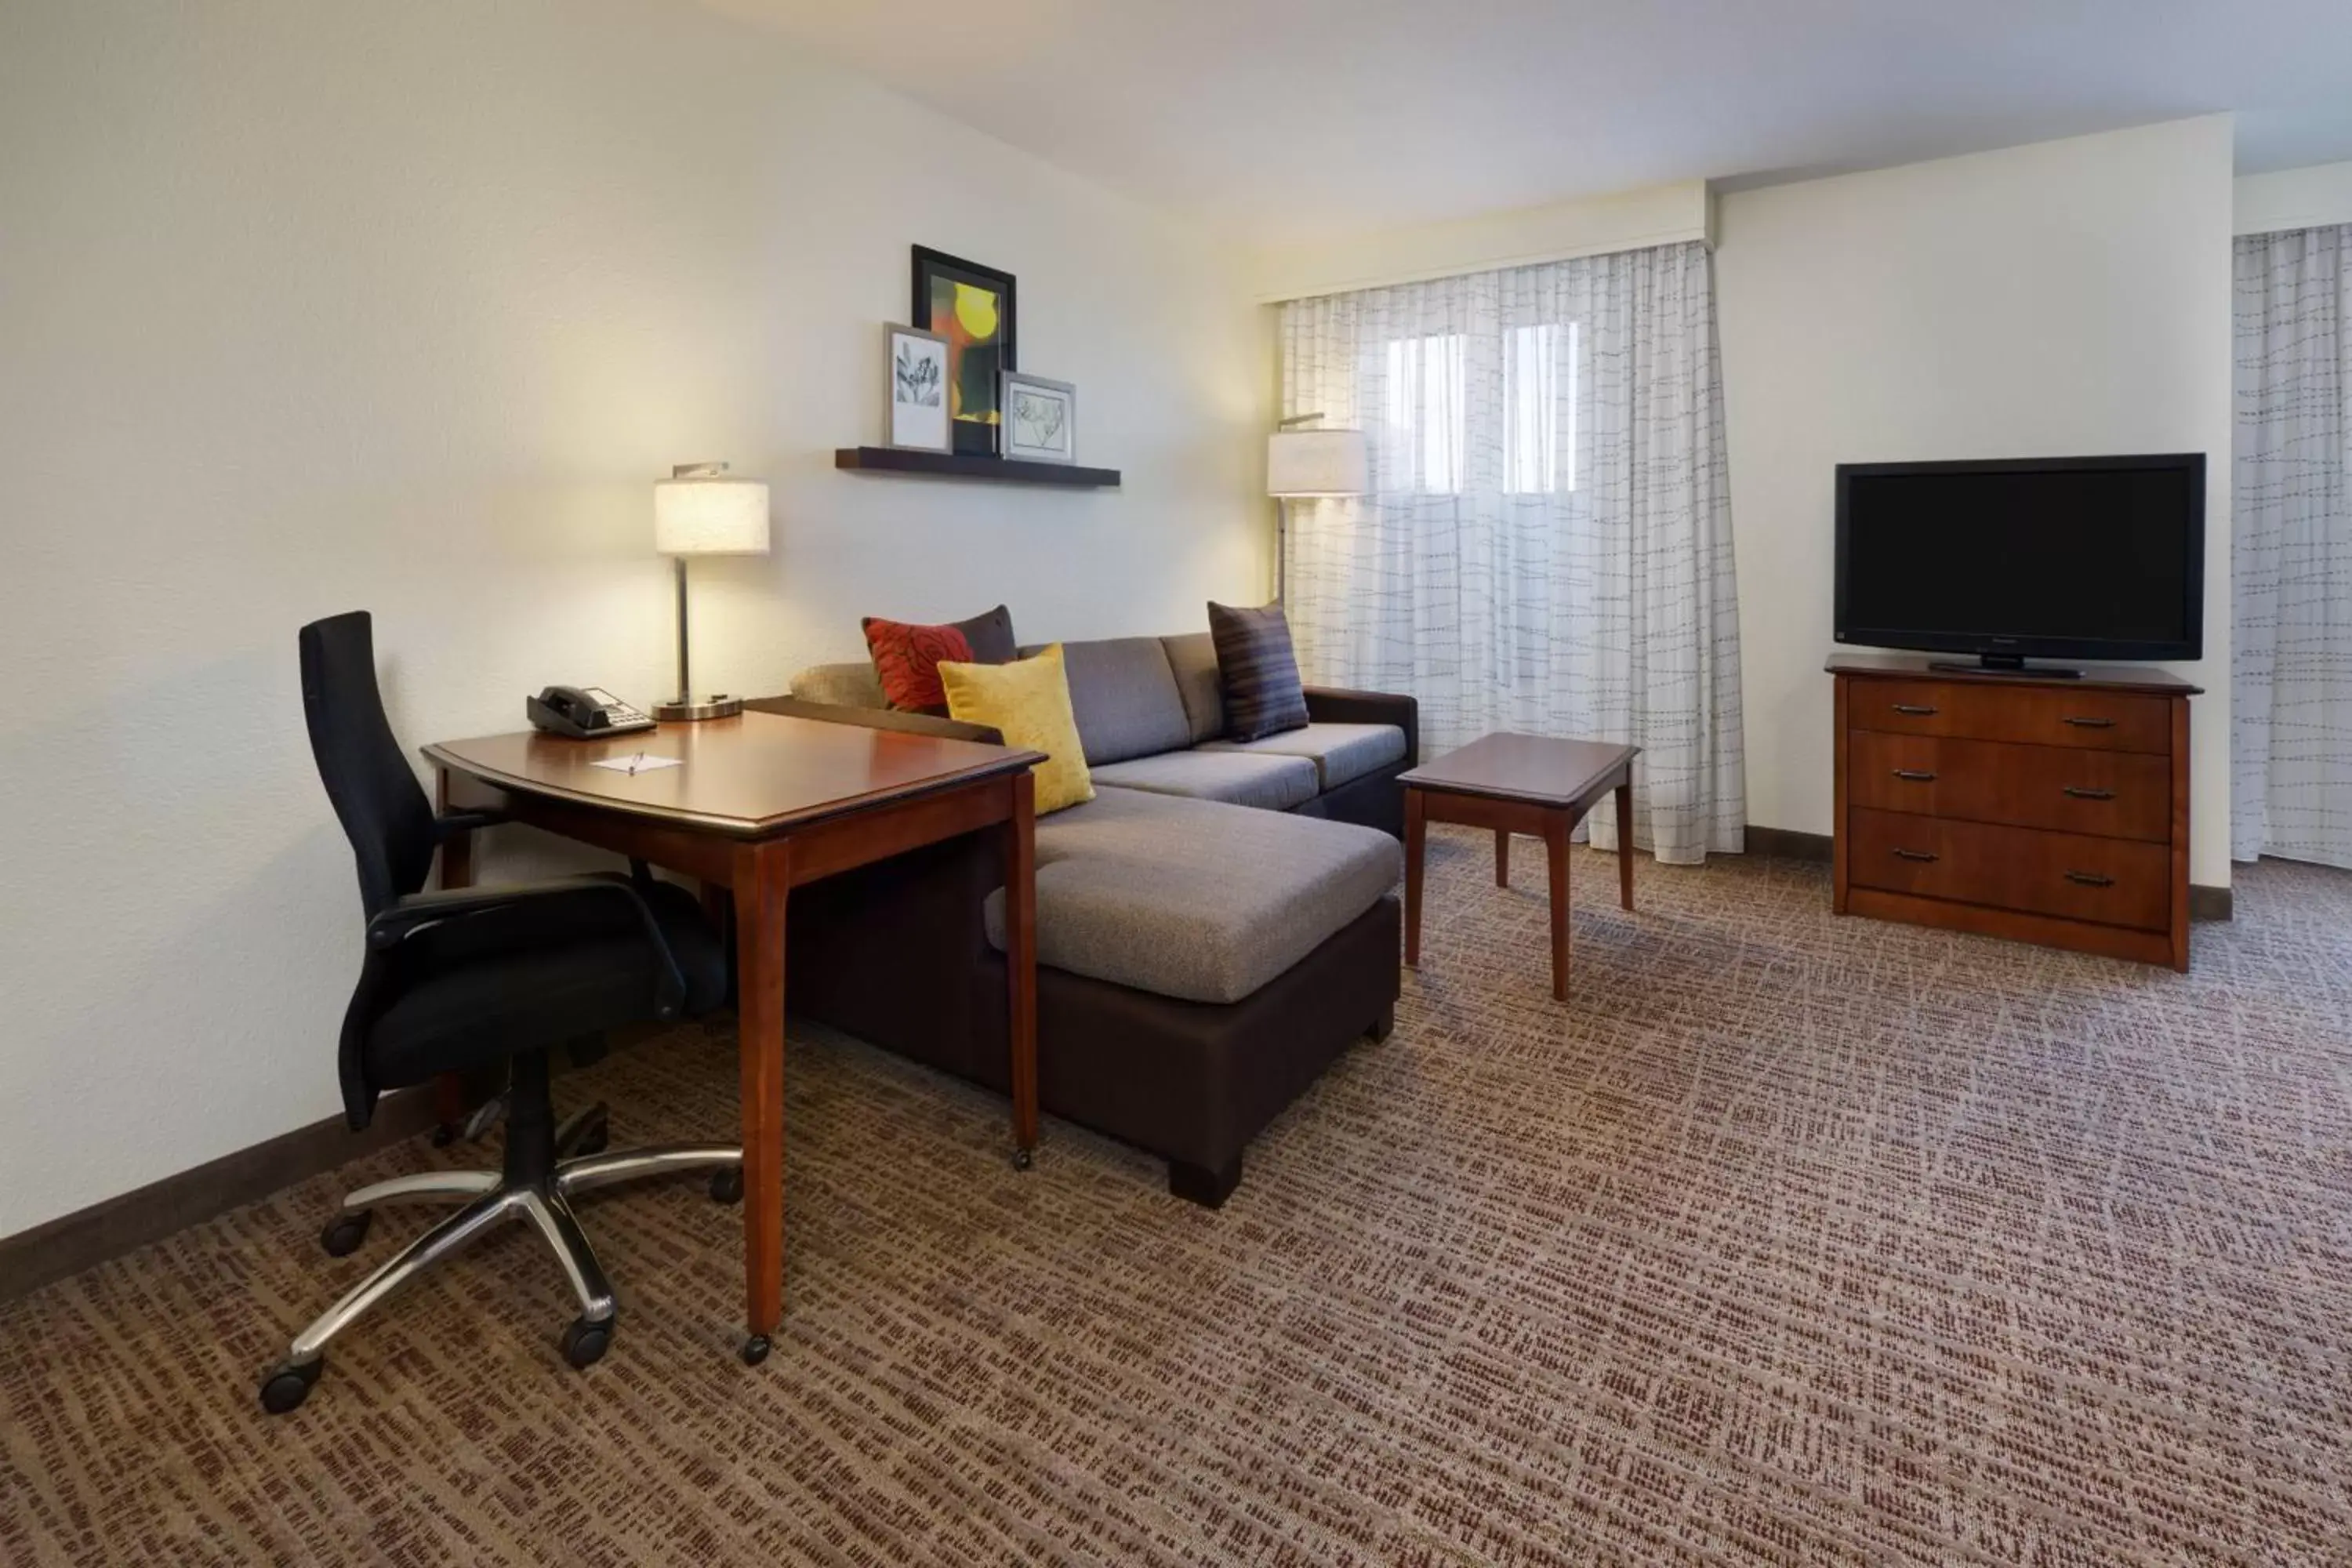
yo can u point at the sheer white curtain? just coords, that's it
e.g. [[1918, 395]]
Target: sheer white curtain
[[2291, 530], [1547, 544]]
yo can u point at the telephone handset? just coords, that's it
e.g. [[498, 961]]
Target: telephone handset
[[584, 714]]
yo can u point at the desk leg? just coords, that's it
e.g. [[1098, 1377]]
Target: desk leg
[[1413, 834], [1021, 960], [1557, 826], [456, 871], [761, 875], [1502, 856], [1625, 841]]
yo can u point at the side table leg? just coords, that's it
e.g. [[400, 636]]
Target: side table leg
[[1625, 843], [1412, 845], [1556, 831], [1021, 961], [1502, 856]]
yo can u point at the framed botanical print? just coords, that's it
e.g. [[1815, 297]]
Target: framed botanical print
[[1040, 419], [971, 307], [918, 375]]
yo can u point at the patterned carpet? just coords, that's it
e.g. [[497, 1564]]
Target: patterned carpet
[[1790, 1240]]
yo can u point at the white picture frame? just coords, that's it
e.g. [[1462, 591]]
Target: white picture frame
[[1040, 419], [916, 416]]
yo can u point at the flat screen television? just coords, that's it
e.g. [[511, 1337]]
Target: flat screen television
[[2036, 558]]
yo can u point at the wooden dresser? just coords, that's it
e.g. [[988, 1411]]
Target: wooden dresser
[[2047, 811]]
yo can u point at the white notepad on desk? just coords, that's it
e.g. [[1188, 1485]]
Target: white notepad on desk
[[640, 764]]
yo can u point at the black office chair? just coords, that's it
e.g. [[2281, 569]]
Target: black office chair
[[473, 977]]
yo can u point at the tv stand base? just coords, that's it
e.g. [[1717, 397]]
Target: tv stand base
[[1994, 664]]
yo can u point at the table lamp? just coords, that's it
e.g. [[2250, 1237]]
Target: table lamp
[[700, 510], [1307, 463]]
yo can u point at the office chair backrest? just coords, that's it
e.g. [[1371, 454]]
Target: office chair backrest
[[382, 808]]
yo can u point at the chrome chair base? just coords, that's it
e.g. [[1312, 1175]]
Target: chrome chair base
[[489, 1200]]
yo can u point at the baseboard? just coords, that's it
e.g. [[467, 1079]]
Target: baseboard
[[2210, 903], [1787, 843], [73, 1242]]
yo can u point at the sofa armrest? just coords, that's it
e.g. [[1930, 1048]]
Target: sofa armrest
[[1330, 705], [875, 719]]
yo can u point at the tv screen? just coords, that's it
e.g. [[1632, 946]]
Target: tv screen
[[2051, 558]]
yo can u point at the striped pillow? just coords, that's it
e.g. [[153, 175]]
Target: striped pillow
[[1263, 694]]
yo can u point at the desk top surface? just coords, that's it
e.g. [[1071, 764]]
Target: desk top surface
[[750, 775], [1523, 767]]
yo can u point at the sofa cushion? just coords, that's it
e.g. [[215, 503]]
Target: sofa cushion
[[1191, 898], [1237, 778], [1028, 703], [1193, 658], [1341, 754], [1125, 698], [1263, 694], [841, 685], [907, 658]]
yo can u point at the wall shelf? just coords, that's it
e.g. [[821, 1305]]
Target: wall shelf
[[961, 466]]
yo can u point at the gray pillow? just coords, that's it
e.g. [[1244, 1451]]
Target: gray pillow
[[1263, 695]]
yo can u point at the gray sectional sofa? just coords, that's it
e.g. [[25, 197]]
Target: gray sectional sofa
[[1214, 929]]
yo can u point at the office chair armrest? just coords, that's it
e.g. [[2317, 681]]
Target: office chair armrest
[[450, 824], [405, 917]]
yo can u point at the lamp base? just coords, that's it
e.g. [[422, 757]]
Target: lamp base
[[686, 709]]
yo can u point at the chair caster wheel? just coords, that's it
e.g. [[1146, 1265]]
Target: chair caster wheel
[[585, 1342], [726, 1184], [595, 1139], [755, 1350], [444, 1134], [346, 1233], [1023, 1159], [289, 1383]]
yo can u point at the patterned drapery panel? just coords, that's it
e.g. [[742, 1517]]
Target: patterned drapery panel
[[1547, 545], [2291, 546]]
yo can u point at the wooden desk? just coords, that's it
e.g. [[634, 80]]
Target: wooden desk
[[1520, 784], [762, 805]]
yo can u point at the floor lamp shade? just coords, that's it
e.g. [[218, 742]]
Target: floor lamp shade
[[1316, 463], [701, 509]]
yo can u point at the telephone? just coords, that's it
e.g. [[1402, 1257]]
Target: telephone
[[584, 714]]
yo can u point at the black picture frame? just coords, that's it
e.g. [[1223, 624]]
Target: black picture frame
[[974, 438]]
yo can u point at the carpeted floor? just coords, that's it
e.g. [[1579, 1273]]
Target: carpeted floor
[[1790, 1240]]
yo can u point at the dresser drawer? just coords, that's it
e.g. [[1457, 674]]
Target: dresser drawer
[[2042, 716], [2115, 795], [2113, 881]]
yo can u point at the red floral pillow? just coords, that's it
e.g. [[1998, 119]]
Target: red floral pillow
[[907, 659]]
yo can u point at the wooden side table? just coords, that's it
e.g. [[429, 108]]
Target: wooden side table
[[1520, 784]]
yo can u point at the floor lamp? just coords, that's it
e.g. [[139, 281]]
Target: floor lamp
[[1303, 464]]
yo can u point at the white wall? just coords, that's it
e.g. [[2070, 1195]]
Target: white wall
[[2294, 198], [311, 307], [2067, 298], [1629, 220]]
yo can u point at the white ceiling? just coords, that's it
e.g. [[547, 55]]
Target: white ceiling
[[1280, 120]]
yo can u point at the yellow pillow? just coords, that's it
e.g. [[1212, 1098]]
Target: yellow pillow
[[1028, 703]]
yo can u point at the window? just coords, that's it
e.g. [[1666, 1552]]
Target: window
[[1539, 409], [1426, 410], [1427, 416]]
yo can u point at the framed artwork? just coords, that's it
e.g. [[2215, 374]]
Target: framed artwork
[[1040, 419], [918, 375], [971, 307]]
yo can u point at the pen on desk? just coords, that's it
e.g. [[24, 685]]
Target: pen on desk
[[634, 762]]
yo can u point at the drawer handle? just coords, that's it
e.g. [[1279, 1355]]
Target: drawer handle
[[1917, 709], [2081, 723], [2090, 879], [2090, 793], [1920, 855], [1915, 775]]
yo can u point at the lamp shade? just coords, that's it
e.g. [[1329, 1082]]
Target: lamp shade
[[1316, 463], [710, 514]]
